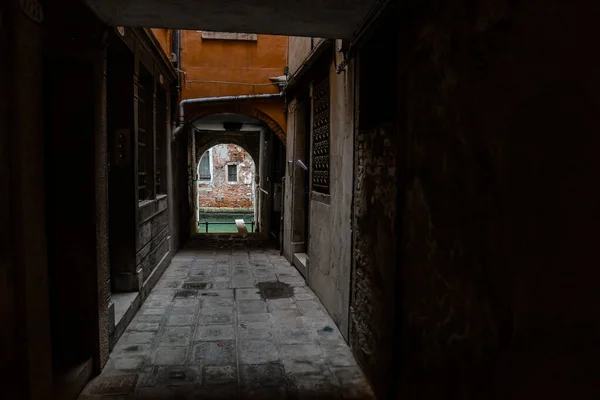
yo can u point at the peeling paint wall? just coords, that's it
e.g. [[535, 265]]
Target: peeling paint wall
[[219, 191]]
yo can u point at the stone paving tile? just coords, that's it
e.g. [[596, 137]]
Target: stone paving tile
[[129, 363], [176, 336], [258, 352], [144, 326], [263, 375], [217, 301], [302, 352], [173, 376], [214, 353], [215, 319], [248, 329], [207, 331], [127, 350], [247, 294], [167, 355], [214, 333], [181, 319], [130, 337], [251, 307]]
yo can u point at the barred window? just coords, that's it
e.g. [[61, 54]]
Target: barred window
[[232, 173], [320, 137], [204, 172], [161, 138], [145, 137]]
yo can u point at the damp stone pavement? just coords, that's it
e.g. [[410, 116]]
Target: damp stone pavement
[[230, 324]]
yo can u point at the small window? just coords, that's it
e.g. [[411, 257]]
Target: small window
[[232, 173], [205, 167]]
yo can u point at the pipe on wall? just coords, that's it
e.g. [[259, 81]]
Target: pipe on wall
[[217, 99]]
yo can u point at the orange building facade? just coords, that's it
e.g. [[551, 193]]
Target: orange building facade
[[215, 64]]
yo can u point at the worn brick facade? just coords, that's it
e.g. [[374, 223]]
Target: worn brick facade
[[219, 191], [376, 165], [372, 304]]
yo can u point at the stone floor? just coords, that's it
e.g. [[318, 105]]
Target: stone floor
[[230, 323]]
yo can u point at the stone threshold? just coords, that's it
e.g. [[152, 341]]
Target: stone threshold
[[71, 383], [300, 261], [126, 305]]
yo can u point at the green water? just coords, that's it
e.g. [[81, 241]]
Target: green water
[[216, 222]]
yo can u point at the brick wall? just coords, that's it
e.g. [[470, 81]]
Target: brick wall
[[376, 192], [372, 309], [219, 192]]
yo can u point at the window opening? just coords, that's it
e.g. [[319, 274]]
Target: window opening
[[205, 173], [232, 173]]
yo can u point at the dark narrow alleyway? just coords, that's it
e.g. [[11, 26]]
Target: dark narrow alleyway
[[425, 169], [230, 323]]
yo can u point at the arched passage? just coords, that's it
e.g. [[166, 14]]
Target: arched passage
[[226, 189], [197, 112], [261, 137]]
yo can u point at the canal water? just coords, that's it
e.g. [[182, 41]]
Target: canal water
[[223, 223]]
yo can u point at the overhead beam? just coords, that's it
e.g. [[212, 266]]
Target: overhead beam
[[314, 18]]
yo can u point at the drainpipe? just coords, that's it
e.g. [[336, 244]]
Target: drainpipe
[[176, 56], [218, 99]]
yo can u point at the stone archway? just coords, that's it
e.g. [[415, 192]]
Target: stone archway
[[215, 197], [248, 140], [204, 137], [197, 111]]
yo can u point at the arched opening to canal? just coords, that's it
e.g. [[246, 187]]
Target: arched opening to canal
[[226, 190]]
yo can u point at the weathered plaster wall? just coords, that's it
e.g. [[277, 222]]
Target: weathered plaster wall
[[298, 51], [164, 37], [235, 61], [219, 192], [252, 62], [330, 216], [153, 237], [499, 224], [295, 232], [289, 173]]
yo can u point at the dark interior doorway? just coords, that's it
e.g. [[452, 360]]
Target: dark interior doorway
[[70, 215]]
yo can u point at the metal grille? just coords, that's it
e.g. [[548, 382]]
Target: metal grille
[[159, 149], [142, 167], [145, 135], [205, 167], [320, 142]]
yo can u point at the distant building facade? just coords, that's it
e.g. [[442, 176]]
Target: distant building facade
[[226, 178]]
